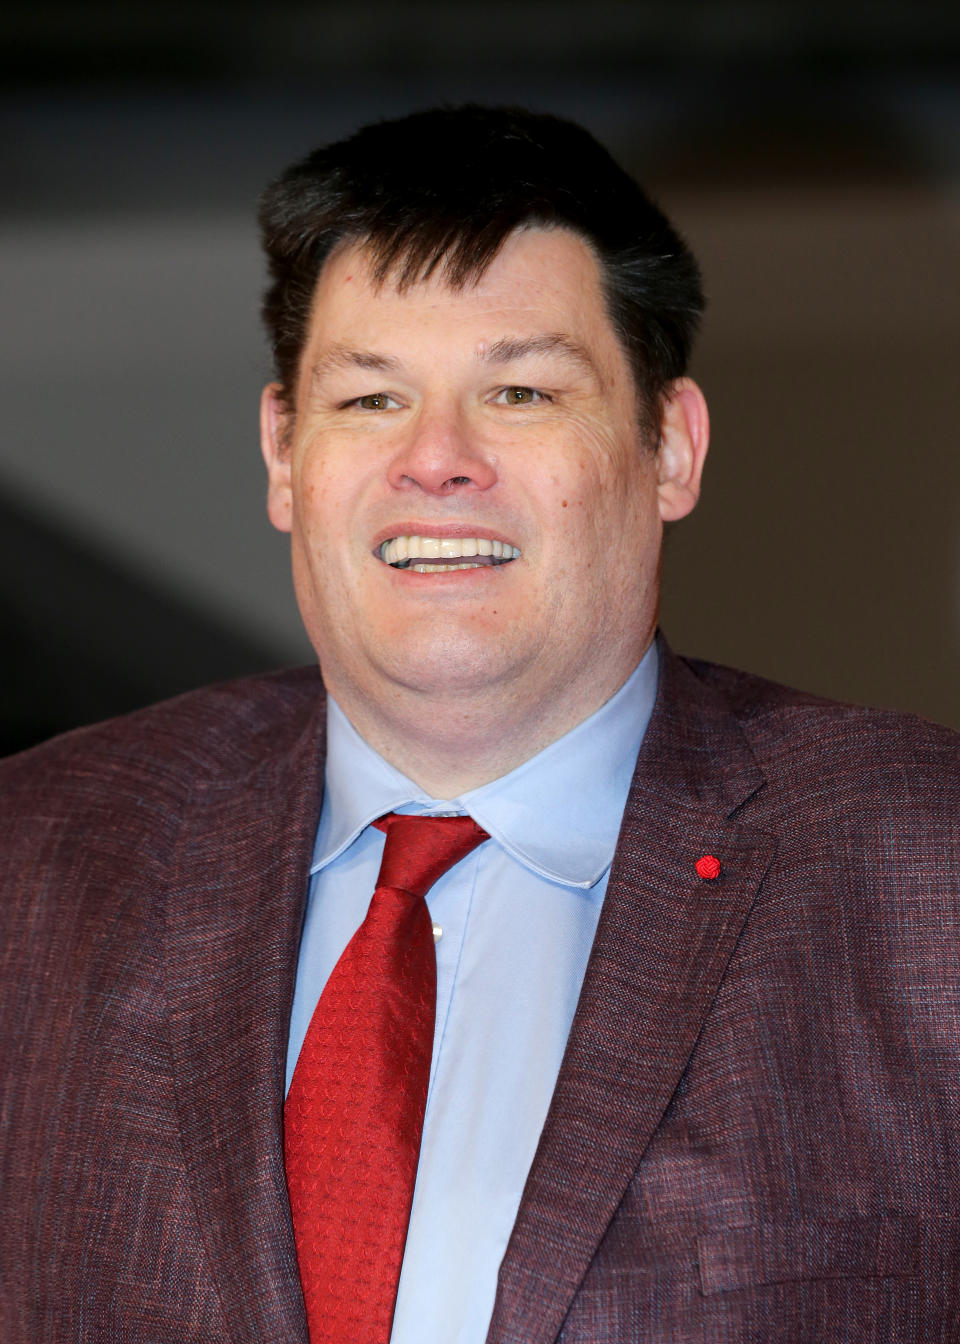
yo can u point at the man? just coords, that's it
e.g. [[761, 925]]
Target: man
[[692, 1021]]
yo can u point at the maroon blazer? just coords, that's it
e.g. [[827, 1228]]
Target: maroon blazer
[[755, 1134]]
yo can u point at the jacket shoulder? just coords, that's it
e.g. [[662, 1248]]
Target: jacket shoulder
[[224, 728], [831, 747]]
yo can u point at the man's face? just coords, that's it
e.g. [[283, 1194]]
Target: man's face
[[491, 434]]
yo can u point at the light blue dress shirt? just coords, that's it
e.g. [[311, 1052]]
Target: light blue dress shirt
[[517, 920]]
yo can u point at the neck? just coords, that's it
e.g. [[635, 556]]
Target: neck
[[449, 743]]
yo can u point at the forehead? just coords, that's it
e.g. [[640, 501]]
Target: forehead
[[541, 280]]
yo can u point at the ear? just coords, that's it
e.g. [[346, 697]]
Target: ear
[[684, 436], [274, 424]]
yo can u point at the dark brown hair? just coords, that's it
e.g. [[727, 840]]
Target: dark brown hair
[[447, 187]]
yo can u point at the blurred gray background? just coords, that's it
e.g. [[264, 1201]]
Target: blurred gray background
[[810, 152]]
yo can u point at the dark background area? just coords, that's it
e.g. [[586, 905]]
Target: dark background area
[[810, 152]]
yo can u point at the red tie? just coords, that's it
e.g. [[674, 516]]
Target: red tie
[[354, 1113]]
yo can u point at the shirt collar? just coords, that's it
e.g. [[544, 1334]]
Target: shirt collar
[[557, 813]]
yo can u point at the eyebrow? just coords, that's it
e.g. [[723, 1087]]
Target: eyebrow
[[508, 350], [342, 357]]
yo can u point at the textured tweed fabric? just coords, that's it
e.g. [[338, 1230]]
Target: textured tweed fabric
[[755, 1135], [354, 1113]]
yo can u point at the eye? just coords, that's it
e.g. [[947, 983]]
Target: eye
[[520, 396], [374, 401]]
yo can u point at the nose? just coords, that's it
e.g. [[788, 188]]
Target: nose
[[441, 456]]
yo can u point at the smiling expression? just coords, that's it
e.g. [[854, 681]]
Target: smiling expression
[[473, 513]]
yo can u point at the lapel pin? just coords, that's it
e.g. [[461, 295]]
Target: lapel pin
[[707, 867]]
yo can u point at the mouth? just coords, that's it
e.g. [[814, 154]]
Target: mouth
[[439, 555]]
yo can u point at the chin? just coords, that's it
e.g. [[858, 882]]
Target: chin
[[458, 663]]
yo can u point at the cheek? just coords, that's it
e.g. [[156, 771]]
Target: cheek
[[608, 453], [609, 483], [608, 530], [320, 498]]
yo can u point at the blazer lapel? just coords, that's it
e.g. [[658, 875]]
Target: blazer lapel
[[663, 942], [234, 916]]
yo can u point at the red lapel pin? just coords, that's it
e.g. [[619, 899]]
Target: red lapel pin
[[707, 867]]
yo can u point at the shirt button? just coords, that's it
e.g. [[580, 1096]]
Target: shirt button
[[437, 933]]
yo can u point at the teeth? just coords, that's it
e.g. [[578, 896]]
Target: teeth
[[439, 569], [401, 550]]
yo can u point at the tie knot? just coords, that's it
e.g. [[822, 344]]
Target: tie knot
[[419, 850]]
